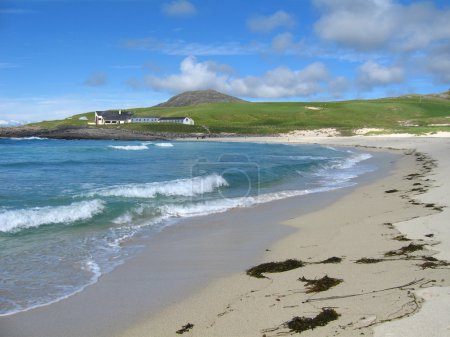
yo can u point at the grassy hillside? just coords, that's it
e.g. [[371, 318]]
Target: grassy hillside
[[412, 114]]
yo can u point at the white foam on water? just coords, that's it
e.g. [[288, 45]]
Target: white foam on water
[[164, 144], [12, 221], [129, 147], [179, 187], [28, 138]]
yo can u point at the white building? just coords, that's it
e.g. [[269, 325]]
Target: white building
[[179, 120], [112, 117], [145, 119]]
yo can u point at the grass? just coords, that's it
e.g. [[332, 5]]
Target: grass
[[393, 115]]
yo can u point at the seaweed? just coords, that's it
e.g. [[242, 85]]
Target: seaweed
[[333, 259], [368, 260], [429, 258], [391, 191], [322, 284], [412, 247], [300, 324], [401, 238], [433, 265], [185, 328], [274, 267]]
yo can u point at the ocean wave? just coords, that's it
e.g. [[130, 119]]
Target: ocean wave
[[222, 205], [12, 221], [179, 187], [29, 138], [129, 147], [164, 144], [352, 161]]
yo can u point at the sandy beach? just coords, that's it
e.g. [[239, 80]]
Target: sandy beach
[[398, 223], [388, 238]]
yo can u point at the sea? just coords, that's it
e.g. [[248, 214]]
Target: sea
[[72, 210]]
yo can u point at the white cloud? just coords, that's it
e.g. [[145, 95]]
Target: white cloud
[[438, 64], [179, 8], [372, 74], [338, 87], [282, 42], [183, 48], [97, 80], [269, 23], [276, 83], [382, 24]]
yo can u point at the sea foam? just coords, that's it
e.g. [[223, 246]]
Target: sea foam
[[15, 220], [179, 187], [129, 147]]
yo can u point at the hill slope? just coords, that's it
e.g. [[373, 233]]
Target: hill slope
[[414, 114], [189, 98]]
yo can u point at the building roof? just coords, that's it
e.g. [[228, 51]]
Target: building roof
[[115, 115], [171, 118], [145, 117]]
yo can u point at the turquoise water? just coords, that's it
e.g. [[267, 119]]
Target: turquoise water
[[67, 208]]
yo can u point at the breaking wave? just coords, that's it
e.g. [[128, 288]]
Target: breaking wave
[[12, 221], [178, 187], [129, 147]]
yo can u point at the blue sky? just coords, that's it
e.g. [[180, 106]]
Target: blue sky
[[61, 57]]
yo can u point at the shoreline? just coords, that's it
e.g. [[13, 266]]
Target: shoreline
[[210, 247], [369, 304], [220, 316]]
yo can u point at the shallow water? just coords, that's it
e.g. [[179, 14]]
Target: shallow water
[[68, 207]]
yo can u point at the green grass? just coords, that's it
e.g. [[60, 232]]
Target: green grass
[[394, 115]]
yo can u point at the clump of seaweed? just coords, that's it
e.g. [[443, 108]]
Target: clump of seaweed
[[274, 267], [333, 259], [429, 258], [322, 284], [185, 328], [300, 324], [401, 238], [434, 264], [412, 247], [391, 191], [368, 260]]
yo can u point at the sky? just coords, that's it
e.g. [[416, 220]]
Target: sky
[[62, 57]]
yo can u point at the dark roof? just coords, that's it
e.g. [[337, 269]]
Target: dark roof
[[171, 118], [114, 115], [145, 117]]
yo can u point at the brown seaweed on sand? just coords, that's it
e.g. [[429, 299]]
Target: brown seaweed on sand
[[322, 284], [185, 328], [368, 260], [274, 267], [333, 259], [412, 247], [300, 324]]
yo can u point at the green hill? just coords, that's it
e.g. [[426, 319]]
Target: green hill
[[412, 114]]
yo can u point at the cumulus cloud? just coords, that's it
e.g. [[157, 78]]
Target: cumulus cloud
[[269, 23], [179, 8], [276, 83], [283, 42], [372, 74], [379, 24], [97, 79], [438, 64], [338, 86]]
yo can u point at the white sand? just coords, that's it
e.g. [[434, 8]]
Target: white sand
[[382, 299]]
